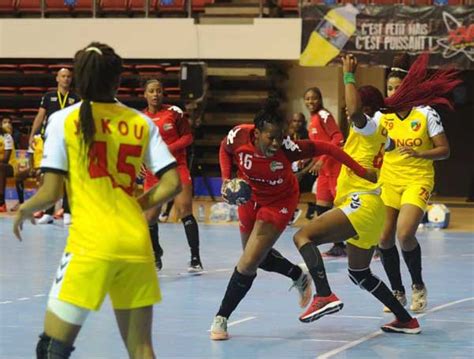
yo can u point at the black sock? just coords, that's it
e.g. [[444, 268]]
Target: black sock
[[50, 211], [66, 203], [168, 207], [155, 242], [391, 263], [275, 262], [192, 234], [413, 261], [314, 262], [237, 288], [383, 294], [20, 190]]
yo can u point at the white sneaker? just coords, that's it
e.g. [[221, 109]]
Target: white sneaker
[[419, 299], [303, 284], [219, 328], [45, 219], [67, 219], [401, 297]]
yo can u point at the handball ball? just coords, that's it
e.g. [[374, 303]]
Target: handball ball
[[237, 191]]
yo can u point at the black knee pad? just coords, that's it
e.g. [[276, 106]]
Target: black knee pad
[[364, 279], [49, 348], [321, 209], [269, 261]]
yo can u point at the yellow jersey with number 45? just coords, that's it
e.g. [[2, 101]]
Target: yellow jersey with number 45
[[108, 222], [366, 146], [415, 131]]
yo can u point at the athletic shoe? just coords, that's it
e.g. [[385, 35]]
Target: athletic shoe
[[67, 219], [410, 327], [219, 328], [38, 214], [45, 219], [321, 306], [335, 251], [59, 213], [3, 208], [195, 265], [295, 217], [419, 298], [401, 297], [163, 217], [303, 284]]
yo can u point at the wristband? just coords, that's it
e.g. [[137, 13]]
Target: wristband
[[349, 78]]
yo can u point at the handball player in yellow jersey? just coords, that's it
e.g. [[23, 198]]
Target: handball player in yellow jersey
[[358, 216], [407, 175], [97, 147]]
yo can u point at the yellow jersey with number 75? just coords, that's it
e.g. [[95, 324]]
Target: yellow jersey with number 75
[[108, 222]]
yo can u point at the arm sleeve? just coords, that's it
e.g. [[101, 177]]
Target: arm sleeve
[[184, 131], [435, 126], [157, 156], [308, 149], [225, 160], [54, 151], [369, 129]]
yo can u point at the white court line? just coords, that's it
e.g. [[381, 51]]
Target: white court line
[[23, 298], [450, 321], [353, 317], [354, 343], [230, 324], [39, 295], [6, 302]]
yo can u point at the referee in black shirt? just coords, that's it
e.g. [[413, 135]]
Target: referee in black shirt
[[51, 102]]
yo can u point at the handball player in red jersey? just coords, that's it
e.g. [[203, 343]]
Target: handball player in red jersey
[[263, 155], [176, 132]]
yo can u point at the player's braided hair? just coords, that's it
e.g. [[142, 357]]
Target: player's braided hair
[[420, 88], [317, 91], [97, 71], [269, 114]]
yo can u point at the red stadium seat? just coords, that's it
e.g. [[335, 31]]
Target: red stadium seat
[[137, 6], [113, 6], [8, 7], [139, 91], [149, 69], [172, 69], [33, 68], [128, 70], [172, 92], [29, 6], [199, 5], [32, 90], [28, 112], [288, 5], [56, 67], [8, 91], [8, 68], [7, 112], [58, 6], [125, 92]]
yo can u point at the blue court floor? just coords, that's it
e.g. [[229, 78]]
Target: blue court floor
[[265, 325]]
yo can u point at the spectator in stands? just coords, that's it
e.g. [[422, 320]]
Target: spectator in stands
[[323, 127], [176, 132], [298, 131], [51, 102], [19, 170]]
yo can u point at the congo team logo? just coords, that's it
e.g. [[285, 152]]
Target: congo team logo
[[460, 38], [415, 125]]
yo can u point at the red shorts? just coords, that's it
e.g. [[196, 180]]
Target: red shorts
[[278, 214], [326, 188], [184, 175]]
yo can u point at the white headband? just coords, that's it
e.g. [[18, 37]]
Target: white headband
[[95, 49], [398, 69]]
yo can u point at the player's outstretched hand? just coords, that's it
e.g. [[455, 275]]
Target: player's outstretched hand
[[21, 217], [349, 63], [223, 191]]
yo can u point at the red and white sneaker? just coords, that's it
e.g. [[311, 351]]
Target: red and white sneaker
[[321, 306], [410, 327]]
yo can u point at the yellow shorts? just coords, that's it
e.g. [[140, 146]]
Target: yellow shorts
[[396, 196], [85, 281], [366, 212], [38, 152]]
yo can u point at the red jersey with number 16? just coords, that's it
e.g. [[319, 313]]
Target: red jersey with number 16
[[271, 178]]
